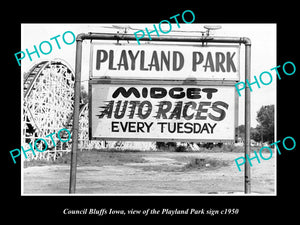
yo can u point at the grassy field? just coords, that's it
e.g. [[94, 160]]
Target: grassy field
[[117, 158], [139, 172]]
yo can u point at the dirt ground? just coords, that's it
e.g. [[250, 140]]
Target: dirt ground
[[155, 173]]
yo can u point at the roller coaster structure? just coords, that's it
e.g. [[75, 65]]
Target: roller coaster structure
[[48, 93], [48, 90]]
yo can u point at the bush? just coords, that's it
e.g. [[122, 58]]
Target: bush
[[166, 146], [160, 145], [181, 148], [200, 163], [172, 146]]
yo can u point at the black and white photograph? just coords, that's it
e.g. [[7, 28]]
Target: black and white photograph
[[138, 112], [156, 117]]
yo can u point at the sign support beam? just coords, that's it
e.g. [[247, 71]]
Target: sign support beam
[[247, 119], [168, 38], [75, 127]]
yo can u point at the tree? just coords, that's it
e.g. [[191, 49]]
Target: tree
[[84, 97], [240, 131], [254, 134], [265, 118]]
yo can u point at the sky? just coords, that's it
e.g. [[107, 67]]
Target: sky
[[263, 51]]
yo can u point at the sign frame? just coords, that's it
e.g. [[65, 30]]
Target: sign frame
[[168, 38], [161, 82]]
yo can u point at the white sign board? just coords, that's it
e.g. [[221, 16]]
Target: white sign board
[[162, 112], [167, 62]]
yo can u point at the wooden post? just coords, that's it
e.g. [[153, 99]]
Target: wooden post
[[247, 118], [73, 168]]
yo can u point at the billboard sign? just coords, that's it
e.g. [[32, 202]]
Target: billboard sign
[[162, 112], [167, 62]]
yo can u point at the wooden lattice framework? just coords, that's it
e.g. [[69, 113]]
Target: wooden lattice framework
[[48, 90], [48, 104]]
